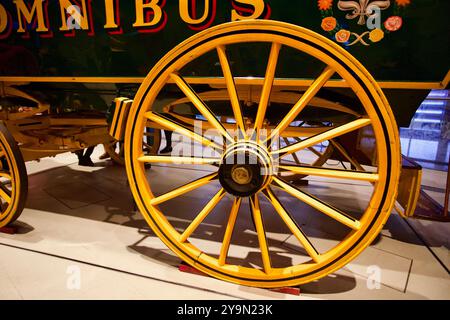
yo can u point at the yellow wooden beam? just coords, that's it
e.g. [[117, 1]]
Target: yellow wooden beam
[[414, 85]]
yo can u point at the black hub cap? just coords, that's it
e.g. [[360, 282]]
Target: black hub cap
[[245, 169]]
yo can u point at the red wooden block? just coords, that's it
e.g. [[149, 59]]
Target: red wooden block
[[295, 291], [8, 230], [188, 269]]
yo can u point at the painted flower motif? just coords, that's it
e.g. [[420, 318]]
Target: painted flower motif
[[393, 23], [325, 4], [342, 36], [328, 23], [403, 3], [376, 35]]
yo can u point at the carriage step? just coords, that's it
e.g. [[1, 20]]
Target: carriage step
[[409, 187], [415, 202], [183, 267]]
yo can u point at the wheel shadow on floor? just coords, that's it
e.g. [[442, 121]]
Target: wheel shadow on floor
[[331, 284], [21, 227], [120, 209]]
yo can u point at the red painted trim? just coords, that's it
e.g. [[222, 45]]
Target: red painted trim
[[90, 30], [118, 30], [209, 19], [7, 32], [158, 27], [34, 22], [242, 10]]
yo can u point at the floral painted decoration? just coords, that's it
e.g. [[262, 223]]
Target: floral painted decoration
[[329, 23], [348, 38], [393, 23], [403, 3], [376, 35], [325, 4], [342, 36]]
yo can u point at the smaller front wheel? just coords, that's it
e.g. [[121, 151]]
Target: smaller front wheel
[[13, 178]]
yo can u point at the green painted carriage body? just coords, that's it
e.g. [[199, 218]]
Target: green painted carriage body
[[418, 52]]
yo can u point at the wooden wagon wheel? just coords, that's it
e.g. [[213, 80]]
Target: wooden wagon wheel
[[13, 178], [258, 181], [115, 149]]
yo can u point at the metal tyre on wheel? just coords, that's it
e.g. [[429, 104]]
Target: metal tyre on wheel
[[13, 178], [258, 184]]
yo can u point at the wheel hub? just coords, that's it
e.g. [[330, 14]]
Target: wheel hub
[[246, 168], [241, 175]]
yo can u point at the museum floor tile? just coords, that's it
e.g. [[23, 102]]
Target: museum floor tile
[[81, 236]]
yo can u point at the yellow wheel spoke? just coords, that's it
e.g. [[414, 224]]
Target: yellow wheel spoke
[[317, 153], [229, 231], [319, 205], [331, 173], [231, 86], [5, 175], [202, 215], [183, 189], [200, 105], [292, 225], [169, 124], [327, 135], [4, 195], [267, 86], [344, 152], [178, 160], [302, 102], [257, 218], [294, 155]]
